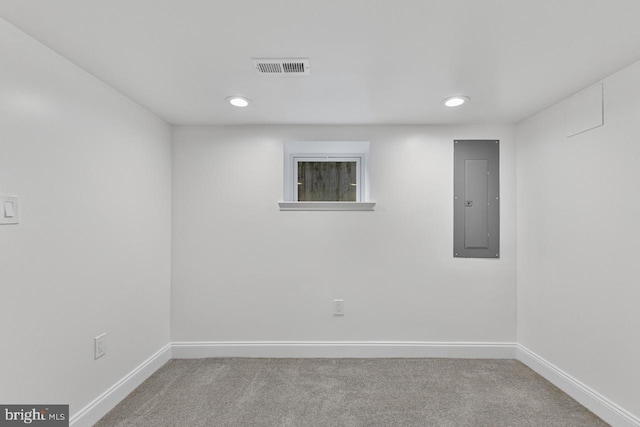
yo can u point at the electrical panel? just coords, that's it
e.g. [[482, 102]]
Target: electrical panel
[[476, 194]]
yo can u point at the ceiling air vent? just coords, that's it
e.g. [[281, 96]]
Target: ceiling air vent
[[282, 66]]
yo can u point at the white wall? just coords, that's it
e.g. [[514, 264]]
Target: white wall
[[244, 271], [92, 251], [578, 234]]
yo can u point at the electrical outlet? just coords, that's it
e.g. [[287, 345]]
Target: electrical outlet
[[338, 307], [100, 346]]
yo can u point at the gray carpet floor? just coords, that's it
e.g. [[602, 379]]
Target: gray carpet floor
[[347, 392]]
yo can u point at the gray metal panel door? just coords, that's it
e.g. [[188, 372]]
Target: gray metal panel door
[[476, 207]]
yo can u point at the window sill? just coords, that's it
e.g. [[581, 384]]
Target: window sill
[[327, 206]]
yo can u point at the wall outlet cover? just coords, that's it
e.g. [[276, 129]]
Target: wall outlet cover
[[99, 346], [338, 307]]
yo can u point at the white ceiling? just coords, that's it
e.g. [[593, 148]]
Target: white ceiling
[[372, 61]]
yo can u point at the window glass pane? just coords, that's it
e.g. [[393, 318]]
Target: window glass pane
[[327, 181]]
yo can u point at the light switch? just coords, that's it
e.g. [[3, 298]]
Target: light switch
[[8, 210]]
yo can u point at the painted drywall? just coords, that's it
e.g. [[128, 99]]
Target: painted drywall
[[578, 229], [91, 254], [244, 271]]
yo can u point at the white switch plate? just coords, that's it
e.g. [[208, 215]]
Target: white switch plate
[[9, 212], [338, 307], [100, 346]]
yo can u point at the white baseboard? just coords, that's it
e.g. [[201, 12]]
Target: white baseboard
[[589, 398], [90, 414], [343, 349], [598, 404]]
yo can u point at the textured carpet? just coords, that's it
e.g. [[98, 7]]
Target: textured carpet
[[347, 392]]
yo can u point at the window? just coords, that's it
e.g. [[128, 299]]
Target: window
[[329, 175], [327, 180]]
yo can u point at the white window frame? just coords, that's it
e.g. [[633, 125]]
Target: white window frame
[[296, 151]]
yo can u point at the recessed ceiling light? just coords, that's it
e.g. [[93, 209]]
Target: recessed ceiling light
[[455, 101], [238, 101]]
